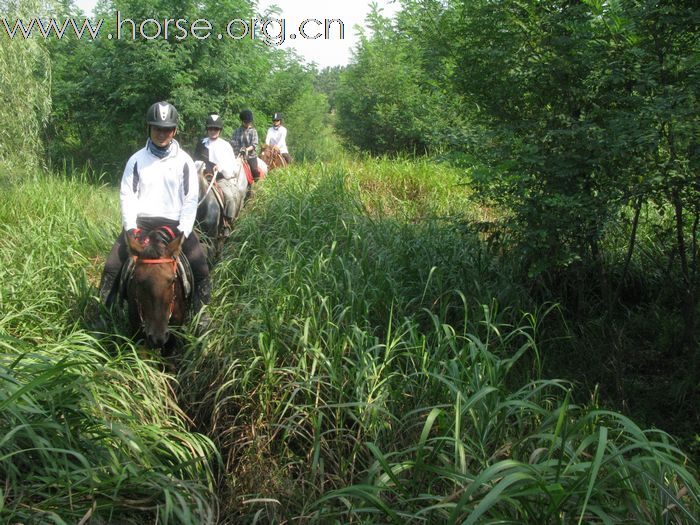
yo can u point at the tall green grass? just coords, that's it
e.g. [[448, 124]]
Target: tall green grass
[[90, 429], [371, 362], [25, 84]]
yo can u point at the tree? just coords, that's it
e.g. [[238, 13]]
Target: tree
[[25, 101], [386, 102], [102, 88]]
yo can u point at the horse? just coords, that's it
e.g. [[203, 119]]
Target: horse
[[210, 213], [272, 156], [210, 210], [242, 180], [156, 291]]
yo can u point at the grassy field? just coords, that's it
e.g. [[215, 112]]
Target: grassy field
[[370, 361]]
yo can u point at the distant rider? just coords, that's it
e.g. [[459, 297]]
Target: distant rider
[[277, 137], [245, 139], [220, 160]]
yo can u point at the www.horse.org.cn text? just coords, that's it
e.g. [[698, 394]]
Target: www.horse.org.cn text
[[271, 31]]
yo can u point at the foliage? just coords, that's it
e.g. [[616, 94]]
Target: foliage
[[90, 430], [326, 82], [289, 90], [362, 370], [312, 138], [578, 129], [25, 101], [570, 111], [387, 102]]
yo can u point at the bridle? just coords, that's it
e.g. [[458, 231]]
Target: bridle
[[211, 183], [276, 156]]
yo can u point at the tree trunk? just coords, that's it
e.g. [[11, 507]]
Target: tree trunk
[[688, 297]]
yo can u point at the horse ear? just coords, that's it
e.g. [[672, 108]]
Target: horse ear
[[135, 246], [173, 247]]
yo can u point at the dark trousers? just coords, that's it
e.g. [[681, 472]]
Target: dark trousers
[[253, 163], [120, 252]]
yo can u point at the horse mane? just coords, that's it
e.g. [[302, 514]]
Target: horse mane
[[155, 243]]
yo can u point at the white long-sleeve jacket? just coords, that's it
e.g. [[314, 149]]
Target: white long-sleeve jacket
[[221, 154], [277, 137], [153, 187]]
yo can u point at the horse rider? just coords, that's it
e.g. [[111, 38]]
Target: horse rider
[[159, 188], [277, 137], [219, 160], [245, 140]]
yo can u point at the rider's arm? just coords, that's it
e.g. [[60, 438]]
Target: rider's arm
[[254, 139], [282, 141], [236, 140], [129, 193], [225, 158], [190, 199]]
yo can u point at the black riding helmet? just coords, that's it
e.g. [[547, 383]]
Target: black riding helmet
[[277, 116], [162, 114], [215, 121], [246, 115]]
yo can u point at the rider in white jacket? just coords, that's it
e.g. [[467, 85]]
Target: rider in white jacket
[[277, 136], [159, 188], [220, 160], [155, 187]]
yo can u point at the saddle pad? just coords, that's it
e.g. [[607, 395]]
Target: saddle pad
[[219, 194]]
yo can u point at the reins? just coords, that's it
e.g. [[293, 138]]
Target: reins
[[211, 184]]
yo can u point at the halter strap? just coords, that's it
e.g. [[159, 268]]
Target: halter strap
[[173, 261], [154, 261], [169, 230]]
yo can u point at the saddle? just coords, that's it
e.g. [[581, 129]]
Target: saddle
[[184, 275], [248, 173]]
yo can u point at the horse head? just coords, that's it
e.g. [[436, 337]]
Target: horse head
[[154, 292], [208, 209]]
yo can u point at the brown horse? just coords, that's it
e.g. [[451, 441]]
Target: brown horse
[[272, 156], [155, 294]]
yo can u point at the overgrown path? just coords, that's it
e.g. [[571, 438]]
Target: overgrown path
[[369, 362]]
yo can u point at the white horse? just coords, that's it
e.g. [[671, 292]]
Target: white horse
[[240, 183], [219, 197], [263, 168]]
